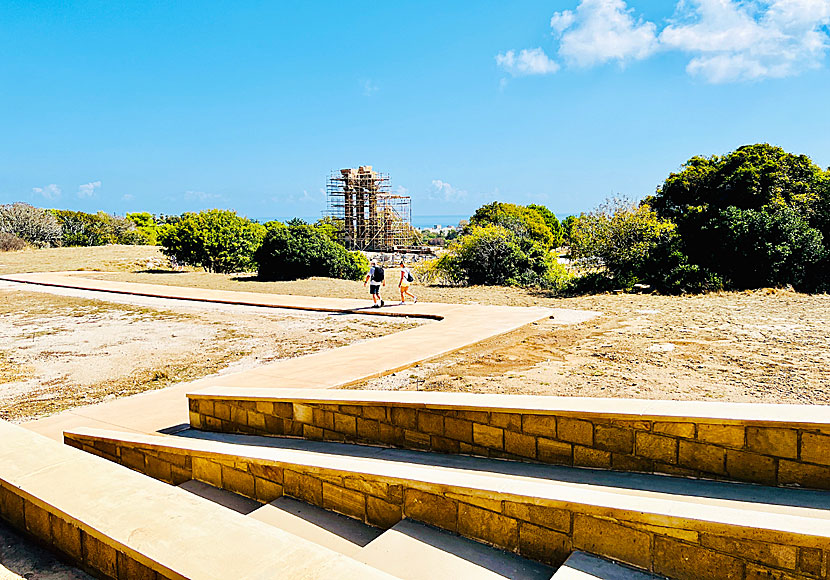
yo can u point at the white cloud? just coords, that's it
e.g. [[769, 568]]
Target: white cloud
[[200, 195], [725, 40], [532, 61], [443, 191], [128, 197], [754, 39], [601, 31], [369, 88], [88, 189], [51, 191]]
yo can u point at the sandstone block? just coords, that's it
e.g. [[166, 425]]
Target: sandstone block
[[621, 462], [431, 508], [487, 436], [284, 410], [303, 487], [129, 568], [490, 527], [355, 410], [474, 416], [656, 447], [510, 421], [390, 435], [222, 410], [323, 419], [11, 507], [312, 432], [544, 425], [776, 555], [750, 467], [518, 444], [548, 517], [266, 490], [588, 457], [239, 415], [431, 423], [346, 501], [99, 556], [726, 435], [238, 481], [675, 429], [269, 472], [416, 439], [575, 431], [702, 457], [543, 544], [207, 471], [771, 441], [815, 448], [681, 561], [555, 452], [37, 522], [375, 412], [302, 413], [614, 439], [458, 429], [444, 445], [345, 424], [382, 513], [158, 469], [368, 430], [810, 561], [404, 417], [607, 538], [66, 537]]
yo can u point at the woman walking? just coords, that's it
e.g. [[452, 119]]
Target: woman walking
[[406, 279]]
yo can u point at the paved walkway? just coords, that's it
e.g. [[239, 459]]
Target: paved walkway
[[458, 325]]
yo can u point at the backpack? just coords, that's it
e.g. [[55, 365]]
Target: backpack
[[409, 276], [377, 274]]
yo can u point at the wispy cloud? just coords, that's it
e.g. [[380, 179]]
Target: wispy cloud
[[369, 88], [50, 191], [200, 196], [441, 190], [531, 61], [726, 40], [128, 197], [88, 189]]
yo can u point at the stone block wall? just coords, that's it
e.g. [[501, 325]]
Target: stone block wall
[[540, 529], [95, 553], [769, 453]]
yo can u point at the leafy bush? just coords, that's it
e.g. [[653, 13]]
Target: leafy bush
[[146, 228], [98, 229], [553, 224], [528, 225], [495, 255], [10, 242], [216, 240], [301, 251], [33, 225], [619, 237]]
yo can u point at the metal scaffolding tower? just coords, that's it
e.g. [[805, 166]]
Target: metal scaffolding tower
[[368, 215]]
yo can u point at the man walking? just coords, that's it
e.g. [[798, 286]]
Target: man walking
[[375, 278]]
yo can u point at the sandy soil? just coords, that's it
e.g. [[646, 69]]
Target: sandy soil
[[64, 350]]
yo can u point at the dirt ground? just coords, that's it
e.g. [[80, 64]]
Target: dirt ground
[[762, 346], [21, 559], [65, 350]]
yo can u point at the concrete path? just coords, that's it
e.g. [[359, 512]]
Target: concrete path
[[456, 326]]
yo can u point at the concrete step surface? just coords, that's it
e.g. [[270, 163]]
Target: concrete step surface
[[334, 531], [584, 566], [414, 551]]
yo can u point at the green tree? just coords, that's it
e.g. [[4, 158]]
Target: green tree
[[146, 227], [551, 221], [493, 255], [216, 240], [301, 251], [527, 224], [619, 237]]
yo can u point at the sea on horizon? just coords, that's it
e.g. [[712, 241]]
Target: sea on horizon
[[418, 221]]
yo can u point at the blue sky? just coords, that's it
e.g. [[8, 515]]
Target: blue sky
[[170, 107]]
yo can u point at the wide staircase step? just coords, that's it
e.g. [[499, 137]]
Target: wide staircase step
[[582, 566], [414, 551], [326, 528], [679, 528]]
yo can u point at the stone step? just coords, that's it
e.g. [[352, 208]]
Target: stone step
[[583, 566], [414, 551], [234, 501], [332, 530], [777, 445], [671, 526]]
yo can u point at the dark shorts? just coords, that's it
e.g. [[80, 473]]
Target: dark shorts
[[374, 289]]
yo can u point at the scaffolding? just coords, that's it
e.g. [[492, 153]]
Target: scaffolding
[[369, 217]]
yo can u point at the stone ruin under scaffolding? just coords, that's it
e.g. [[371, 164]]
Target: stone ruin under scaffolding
[[368, 215]]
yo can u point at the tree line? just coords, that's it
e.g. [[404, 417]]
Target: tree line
[[755, 217]]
